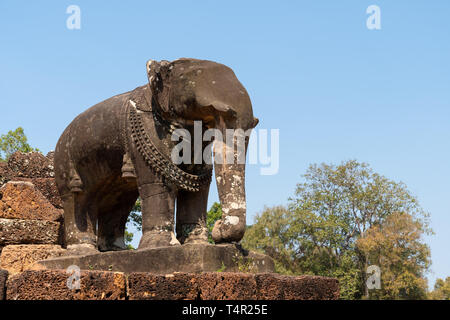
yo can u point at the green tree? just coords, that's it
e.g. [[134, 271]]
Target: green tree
[[332, 208], [14, 141], [134, 218], [128, 239], [397, 247], [302, 243], [441, 290]]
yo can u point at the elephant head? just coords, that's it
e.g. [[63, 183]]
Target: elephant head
[[187, 90]]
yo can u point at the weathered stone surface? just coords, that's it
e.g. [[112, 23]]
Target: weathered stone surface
[[17, 258], [17, 231], [278, 287], [162, 260], [3, 278], [52, 285], [5, 173], [33, 167], [48, 188], [149, 286], [227, 286], [230, 286], [30, 165], [22, 200]]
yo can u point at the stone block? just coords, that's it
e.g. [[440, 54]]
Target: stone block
[[226, 286], [279, 287], [30, 165], [17, 231], [18, 258], [22, 200], [230, 286], [5, 173], [53, 285], [148, 286], [48, 188]]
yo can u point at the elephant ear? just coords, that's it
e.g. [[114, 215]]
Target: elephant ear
[[158, 76]]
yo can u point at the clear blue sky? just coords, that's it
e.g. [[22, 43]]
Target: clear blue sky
[[335, 89]]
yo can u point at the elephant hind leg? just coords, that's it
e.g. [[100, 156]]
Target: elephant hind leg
[[79, 224], [112, 220]]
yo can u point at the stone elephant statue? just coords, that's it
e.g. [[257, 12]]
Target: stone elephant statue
[[120, 149]]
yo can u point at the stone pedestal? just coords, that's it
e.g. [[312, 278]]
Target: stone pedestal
[[187, 272], [189, 258], [105, 285]]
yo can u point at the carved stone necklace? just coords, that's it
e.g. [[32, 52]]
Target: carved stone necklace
[[158, 162]]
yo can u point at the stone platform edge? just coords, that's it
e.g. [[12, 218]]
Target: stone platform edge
[[107, 285], [188, 258]]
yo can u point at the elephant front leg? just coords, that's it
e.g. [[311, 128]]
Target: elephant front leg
[[191, 216], [158, 208]]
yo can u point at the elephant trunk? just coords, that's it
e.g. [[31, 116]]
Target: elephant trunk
[[230, 178]]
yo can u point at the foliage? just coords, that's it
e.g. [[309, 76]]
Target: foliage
[[245, 264], [128, 239], [214, 214], [222, 268], [14, 141], [441, 290], [396, 247], [272, 234], [332, 208], [134, 218]]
